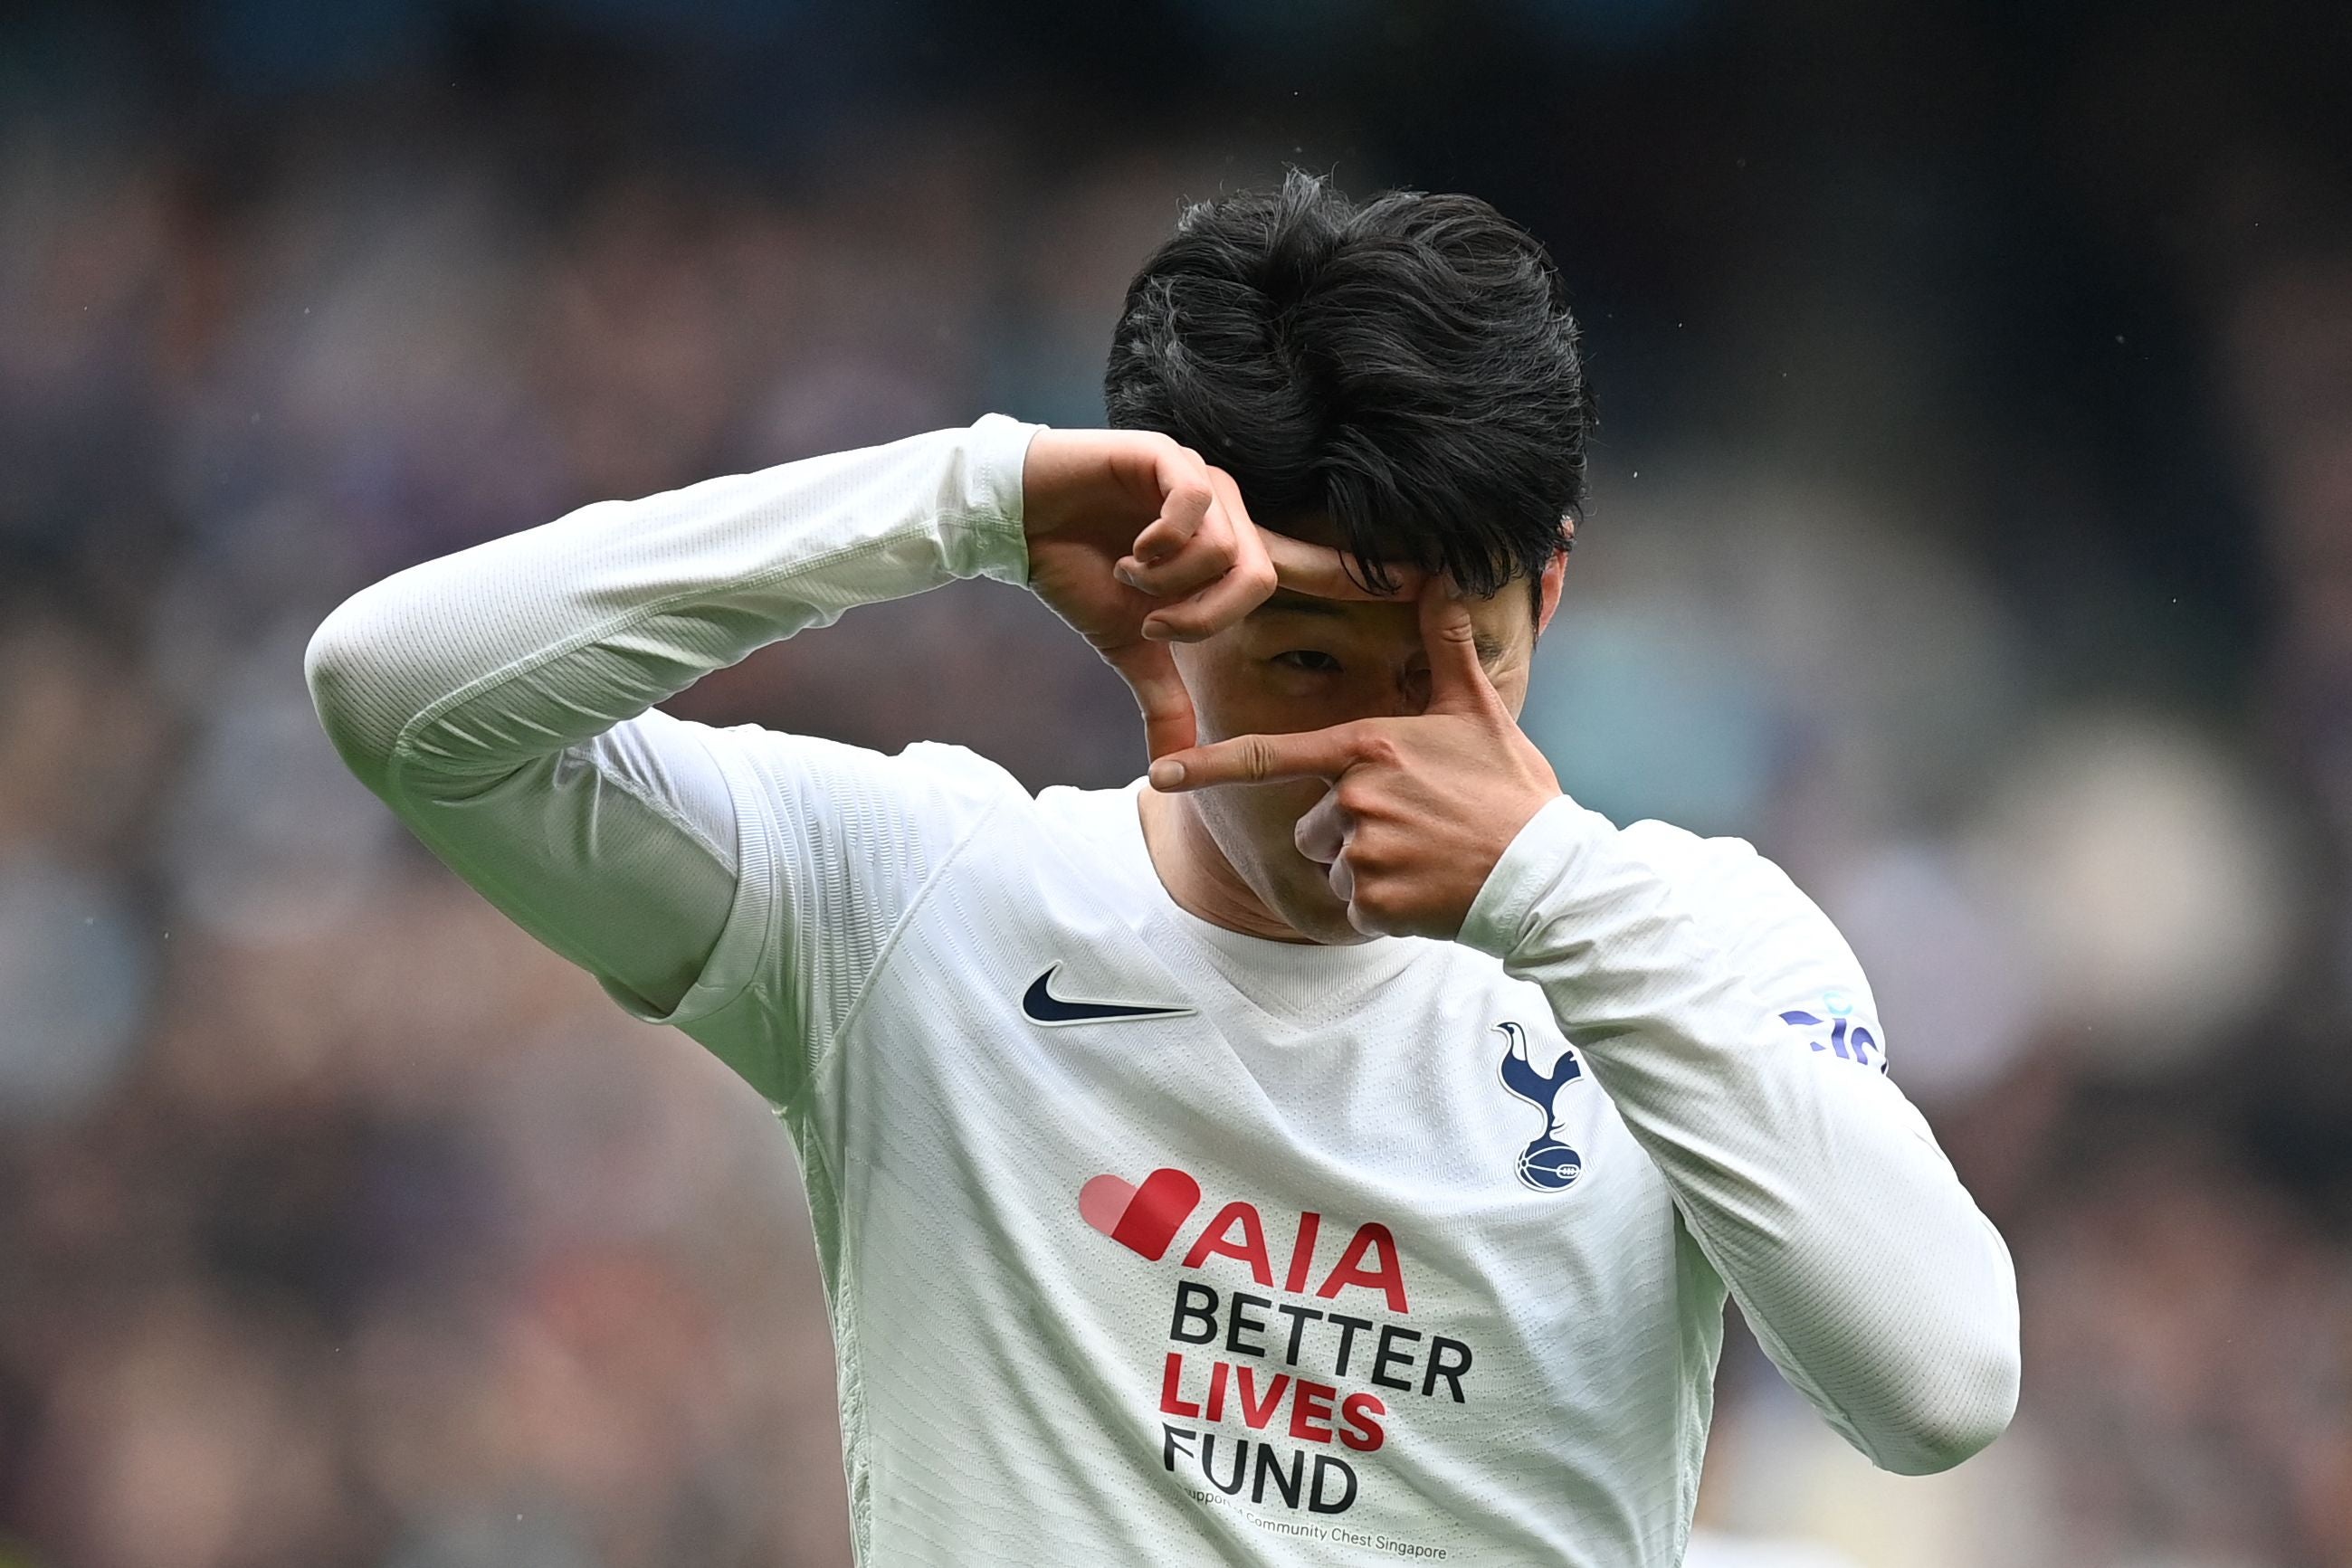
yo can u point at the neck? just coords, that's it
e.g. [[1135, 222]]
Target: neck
[[1197, 873]]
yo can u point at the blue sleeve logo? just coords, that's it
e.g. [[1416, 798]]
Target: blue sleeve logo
[[1849, 1039]]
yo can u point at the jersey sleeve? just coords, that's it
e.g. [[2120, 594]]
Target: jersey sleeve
[[1732, 1028], [500, 702], [836, 844]]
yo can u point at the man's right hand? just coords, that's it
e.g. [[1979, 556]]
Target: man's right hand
[[1137, 543]]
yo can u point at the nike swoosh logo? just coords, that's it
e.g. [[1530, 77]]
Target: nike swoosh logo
[[1043, 1005]]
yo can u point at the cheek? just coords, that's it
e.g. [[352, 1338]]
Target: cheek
[[1233, 693], [1256, 825], [1215, 676]]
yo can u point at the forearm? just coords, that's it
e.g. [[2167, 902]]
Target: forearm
[[1814, 1187], [455, 672]]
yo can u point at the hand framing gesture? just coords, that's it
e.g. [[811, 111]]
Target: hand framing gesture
[[1137, 542], [1420, 807]]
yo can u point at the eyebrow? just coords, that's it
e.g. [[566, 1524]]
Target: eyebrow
[[1284, 602]]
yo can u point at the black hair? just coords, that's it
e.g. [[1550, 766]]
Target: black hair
[[1406, 367]]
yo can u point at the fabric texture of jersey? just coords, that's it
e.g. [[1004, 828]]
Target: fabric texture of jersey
[[1145, 1241]]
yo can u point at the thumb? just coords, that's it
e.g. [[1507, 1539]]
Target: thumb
[[1457, 681], [1150, 670]]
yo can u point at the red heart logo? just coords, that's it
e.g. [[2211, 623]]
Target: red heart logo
[[1143, 1218]]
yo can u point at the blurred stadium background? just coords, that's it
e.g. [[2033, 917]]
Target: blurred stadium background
[[1973, 530]]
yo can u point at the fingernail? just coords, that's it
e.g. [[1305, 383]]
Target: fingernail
[[1166, 773], [1124, 575], [1155, 632]]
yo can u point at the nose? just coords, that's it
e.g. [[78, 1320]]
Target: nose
[[1400, 691]]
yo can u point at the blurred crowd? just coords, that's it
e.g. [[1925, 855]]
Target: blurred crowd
[[1973, 529]]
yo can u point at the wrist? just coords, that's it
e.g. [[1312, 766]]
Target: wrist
[[1059, 470], [989, 535], [1080, 483], [1543, 854]]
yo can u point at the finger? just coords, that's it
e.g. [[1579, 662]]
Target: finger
[[1240, 590], [1185, 501], [1180, 554], [1206, 558], [1457, 681], [1150, 670], [1237, 544], [1322, 834], [1261, 759], [1328, 574], [1229, 497], [1342, 877]]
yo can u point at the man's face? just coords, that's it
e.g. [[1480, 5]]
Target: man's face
[[1303, 664]]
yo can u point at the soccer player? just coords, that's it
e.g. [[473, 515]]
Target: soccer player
[[1338, 1148]]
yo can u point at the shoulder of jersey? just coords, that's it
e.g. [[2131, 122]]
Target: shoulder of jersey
[[1729, 871]]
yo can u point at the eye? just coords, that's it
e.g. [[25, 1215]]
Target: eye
[[1309, 659]]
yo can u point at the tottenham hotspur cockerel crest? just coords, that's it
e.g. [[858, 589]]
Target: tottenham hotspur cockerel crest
[[1547, 1164]]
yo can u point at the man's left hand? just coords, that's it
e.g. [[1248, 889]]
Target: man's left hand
[[1420, 808]]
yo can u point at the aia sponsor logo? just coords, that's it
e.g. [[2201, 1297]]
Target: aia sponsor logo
[[1147, 1218], [1269, 1393]]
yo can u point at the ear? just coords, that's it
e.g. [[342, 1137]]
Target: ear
[[1555, 574]]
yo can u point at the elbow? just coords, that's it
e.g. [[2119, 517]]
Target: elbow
[[1946, 1420], [344, 672]]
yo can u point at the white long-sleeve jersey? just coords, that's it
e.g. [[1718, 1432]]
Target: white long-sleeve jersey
[[1145, 1241]]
